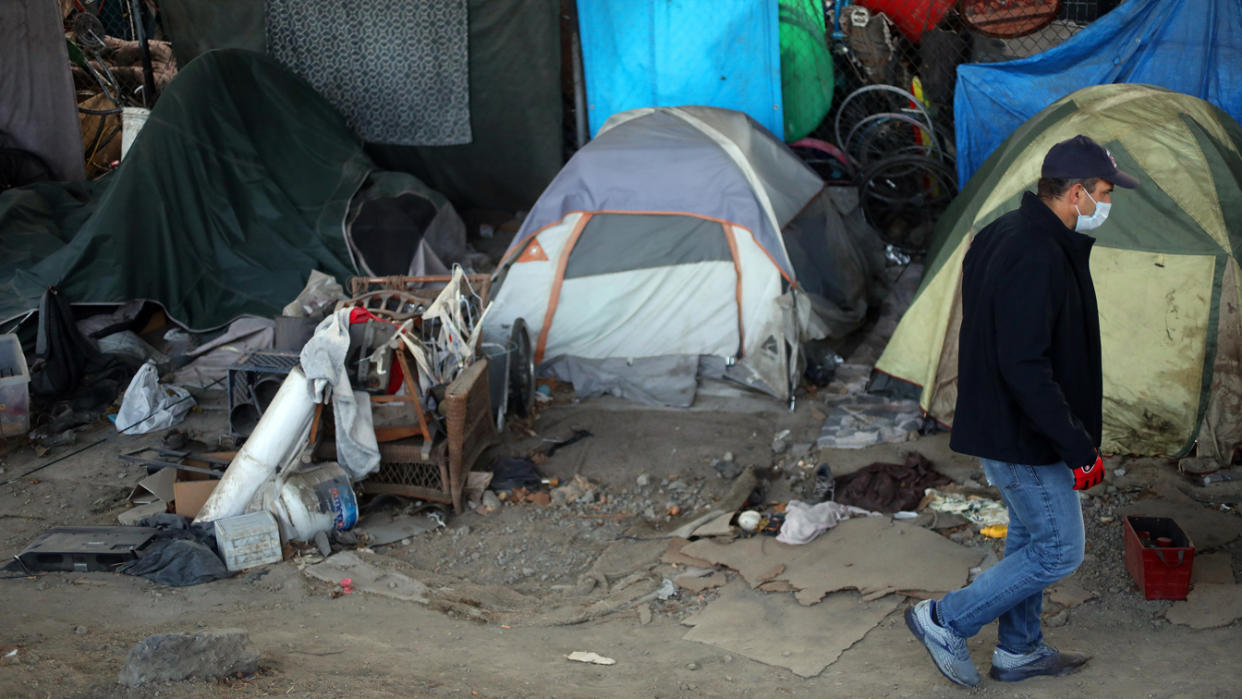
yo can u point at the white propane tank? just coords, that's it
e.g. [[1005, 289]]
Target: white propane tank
[[316, 499], [276, 440]]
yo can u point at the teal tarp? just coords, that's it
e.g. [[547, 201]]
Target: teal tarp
[[236, 188], [649, 53]]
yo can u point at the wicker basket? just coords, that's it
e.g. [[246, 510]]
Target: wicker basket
[[438, 474]]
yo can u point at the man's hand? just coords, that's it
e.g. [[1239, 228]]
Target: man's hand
[[1090, 475]]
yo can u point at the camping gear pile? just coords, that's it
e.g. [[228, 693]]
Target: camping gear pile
[[397, 364]]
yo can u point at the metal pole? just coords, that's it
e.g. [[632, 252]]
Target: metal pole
[[580, 103], [148, 73]]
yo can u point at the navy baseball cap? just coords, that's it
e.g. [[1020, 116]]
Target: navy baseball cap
[[1081, 158]]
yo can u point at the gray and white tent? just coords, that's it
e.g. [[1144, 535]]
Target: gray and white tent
[[681, 241]]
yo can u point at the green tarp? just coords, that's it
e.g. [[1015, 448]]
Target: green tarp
[[236, 188]]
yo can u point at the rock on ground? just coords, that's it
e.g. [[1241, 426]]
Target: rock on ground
[[178, 656]]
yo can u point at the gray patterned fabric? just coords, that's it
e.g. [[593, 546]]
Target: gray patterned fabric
[[397, 69], [37, 111]]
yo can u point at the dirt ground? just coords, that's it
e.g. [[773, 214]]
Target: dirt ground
[[527, 571]]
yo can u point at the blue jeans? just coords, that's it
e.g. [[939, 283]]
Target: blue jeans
[[1044, 544]]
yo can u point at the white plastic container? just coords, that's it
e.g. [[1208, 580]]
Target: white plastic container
[[132, 121], [276, 441], [317, 499], [14, 388], [248, 540]]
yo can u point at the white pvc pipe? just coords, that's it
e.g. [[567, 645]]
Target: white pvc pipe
[[276, 440]]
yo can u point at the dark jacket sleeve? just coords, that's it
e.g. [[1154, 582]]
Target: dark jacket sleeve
[[1025, 308]]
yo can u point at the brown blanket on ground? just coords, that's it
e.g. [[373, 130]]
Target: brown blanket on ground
[[884, 487]]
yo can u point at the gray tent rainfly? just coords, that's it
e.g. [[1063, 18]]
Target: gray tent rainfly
[[680, 241]]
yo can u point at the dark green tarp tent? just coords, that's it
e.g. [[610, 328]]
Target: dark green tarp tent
[[237, 187]]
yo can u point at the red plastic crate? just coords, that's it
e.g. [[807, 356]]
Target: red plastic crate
[[1162, 572]]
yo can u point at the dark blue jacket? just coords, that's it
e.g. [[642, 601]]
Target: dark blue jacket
[[1029, 386]]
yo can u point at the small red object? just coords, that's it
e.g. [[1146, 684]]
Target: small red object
[[347, 585]]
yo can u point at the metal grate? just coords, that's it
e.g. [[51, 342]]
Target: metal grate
[[416, 474], [271, 362], [242, 377]]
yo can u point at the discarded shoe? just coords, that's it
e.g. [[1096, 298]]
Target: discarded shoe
[[1043, 661], [947, 649]]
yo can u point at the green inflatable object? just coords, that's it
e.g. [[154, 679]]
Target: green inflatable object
[[806, 67]]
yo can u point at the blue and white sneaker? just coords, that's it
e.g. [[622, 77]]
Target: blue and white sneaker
[[1044, 661], [947, 650]]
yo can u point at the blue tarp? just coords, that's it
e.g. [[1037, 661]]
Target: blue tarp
[[667, 53], [1191, 46]]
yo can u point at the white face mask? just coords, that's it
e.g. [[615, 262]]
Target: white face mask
[[1095, 220]]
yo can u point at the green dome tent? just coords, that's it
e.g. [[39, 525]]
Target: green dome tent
[[1165, 267]]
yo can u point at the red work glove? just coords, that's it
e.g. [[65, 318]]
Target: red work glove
[[1090, 475]]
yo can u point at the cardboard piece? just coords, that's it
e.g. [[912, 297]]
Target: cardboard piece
[[873, 555], [132, 516], [187, 490], [697, 583], [687, 530], [717, 527], [190, 492], [157, 486], [624, 557], [776, 630], [675, 557], [1208, 606]]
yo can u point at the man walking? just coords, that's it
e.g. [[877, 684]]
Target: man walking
[[1029, 406]]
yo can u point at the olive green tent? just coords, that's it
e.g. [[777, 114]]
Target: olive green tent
[[1165, 267]]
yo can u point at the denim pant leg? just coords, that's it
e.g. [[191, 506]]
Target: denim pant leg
[[1044, 508], [1016, 624]]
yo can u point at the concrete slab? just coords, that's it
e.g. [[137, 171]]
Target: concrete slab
[[368, 577], [774, 629], [1213, 568], [1070, 594], [384, 528], [1208, 606]]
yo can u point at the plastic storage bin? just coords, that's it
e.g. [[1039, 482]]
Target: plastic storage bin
[[14, 388], [248, 540], [1161, 569]]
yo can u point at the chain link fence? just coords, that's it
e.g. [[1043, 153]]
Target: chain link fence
[[111, 71]]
